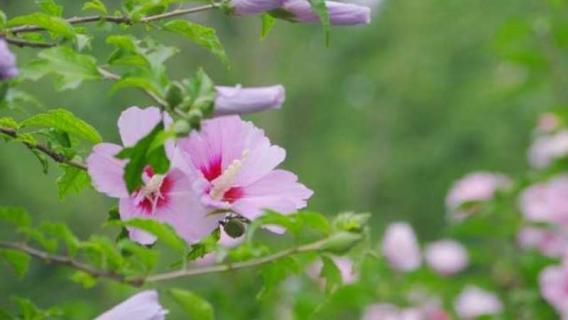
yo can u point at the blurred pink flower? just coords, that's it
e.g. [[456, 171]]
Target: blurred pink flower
[[385, 311], [476, 186], [400, 247], [446, 257], [339, 13], [548, 148], [238, 100], [8, 68], [475, 302], [553, 282], [381, 311], [168, 198], [546, 202], [141, 306], [344, 264], [233, 165], [548, 122], [549, 242], [253, 7]]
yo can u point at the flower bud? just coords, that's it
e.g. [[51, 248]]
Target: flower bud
[[446, 257], [238, 100], [8, 67], [339, 13], [174, 94], [400, 247], [182, 127], [253, 7], [340, 242], [234, 228]]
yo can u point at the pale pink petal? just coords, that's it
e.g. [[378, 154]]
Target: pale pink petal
[[106, 171], [475, 302], [446, 257], [128, 210], [141, 306], [135, 123], [279, 191], [260, 160], [400, 247]]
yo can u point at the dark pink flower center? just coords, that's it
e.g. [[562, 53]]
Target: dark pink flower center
[[155, 193], [213, 170], [221, 181]]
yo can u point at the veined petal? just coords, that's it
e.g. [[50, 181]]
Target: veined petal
[[106, 171], [135, 123], [279, 191], [142, 306]]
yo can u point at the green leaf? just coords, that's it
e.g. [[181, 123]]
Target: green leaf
[[71, 68], [276, 272], [18, 260], [62, 232], [147, 257], [194, 306], [331, 273], [50, 7], [320, 9], [144, 153], [65, 121], [3, 19], [201, 92], [84, 279], [9, 122], [164, 232], [103, 252], [96, 5], [72, 180], [135, 82], [29, 311], [268, 23], [202, 35], [19, 217], [55, 25]]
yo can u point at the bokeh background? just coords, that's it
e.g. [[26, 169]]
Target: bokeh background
[[382, 121]]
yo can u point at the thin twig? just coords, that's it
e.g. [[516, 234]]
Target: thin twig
[[98, 273], [117, 20], [57, 157], [234, 266], [27, 43], [67, 261], [109, 75]]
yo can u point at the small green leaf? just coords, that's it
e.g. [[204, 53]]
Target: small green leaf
[[193, 305], [18, 260], [202, 35], [268, 23], [19, 217], [71, 68], [164, 232], [84, 279], [9, 122], [65, 121], [144, 153], [330, 272], [55, 25], [72, 180], [320, 9], [96, 5], [50, 7], [201, 92], [135, 82], [62, 232]]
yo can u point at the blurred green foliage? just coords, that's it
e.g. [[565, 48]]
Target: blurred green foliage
[[382, 121]]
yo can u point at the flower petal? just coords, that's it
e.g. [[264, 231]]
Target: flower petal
[[142, 306], [279, 191], [135, 123], [106, 171]]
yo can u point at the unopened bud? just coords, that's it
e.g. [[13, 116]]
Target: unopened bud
[[182, 127], [341, 242], [194, 118], [174, 95], [234, 228]]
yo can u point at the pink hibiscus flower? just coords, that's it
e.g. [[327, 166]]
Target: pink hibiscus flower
[[234, 166], [168, 198]]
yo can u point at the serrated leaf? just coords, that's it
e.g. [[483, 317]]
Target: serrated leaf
[[72, 180], [19, 217], [55, 25], [320, 9], [202, 35], [142, 154], [193, 305], [268, 23], [50, 7], [69, 67], [164, 232], [18, 260], [66, 121], [96, 5]]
